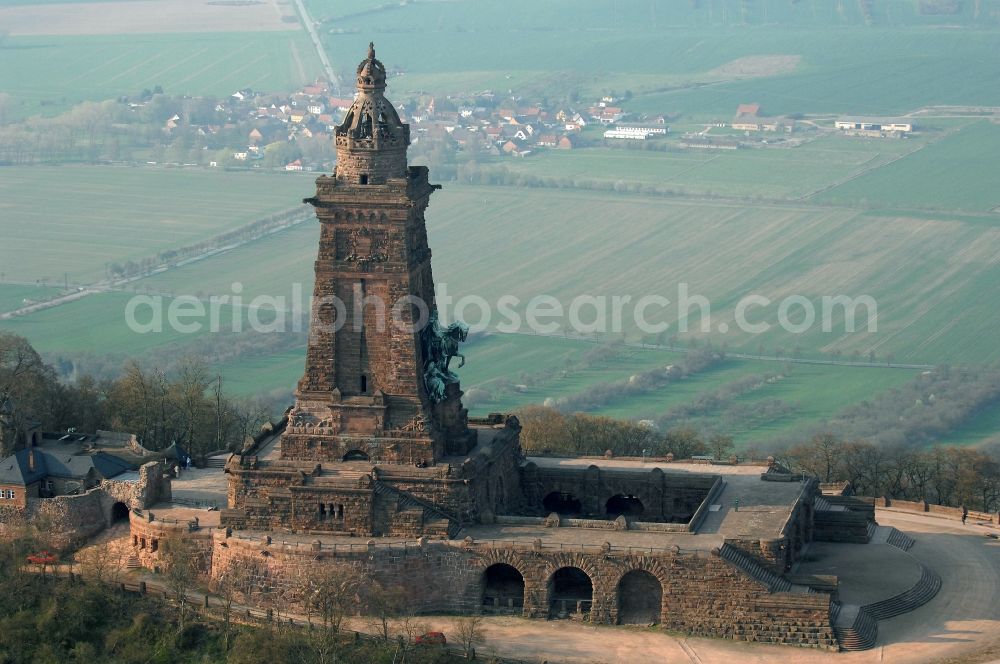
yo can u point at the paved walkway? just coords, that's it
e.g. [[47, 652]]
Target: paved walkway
[[868, 573]]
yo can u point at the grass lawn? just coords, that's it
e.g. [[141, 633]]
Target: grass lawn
[[48, 74], [73, 220]]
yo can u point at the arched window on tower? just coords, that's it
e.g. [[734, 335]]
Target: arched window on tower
[[364, 384]]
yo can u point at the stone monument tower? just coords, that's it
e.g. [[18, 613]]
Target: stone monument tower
[[377, 384]]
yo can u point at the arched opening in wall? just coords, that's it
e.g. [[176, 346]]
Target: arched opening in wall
[[640, 598], [621, 504], [119, 512], [571, 593], [503, 589], [356, 455], [565, 504]]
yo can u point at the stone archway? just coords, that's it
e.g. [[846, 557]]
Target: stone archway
[[623, 505], [356, 455], [503, 589], [565, 504], [571, 593], [640, 598], [119, 512]]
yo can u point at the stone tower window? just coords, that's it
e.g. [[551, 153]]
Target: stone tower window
[[364, 179], [364, 383]]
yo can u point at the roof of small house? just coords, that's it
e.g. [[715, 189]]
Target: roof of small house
[[17, 468]]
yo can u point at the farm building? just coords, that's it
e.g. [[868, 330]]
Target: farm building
[[636, 132], [874, 126]]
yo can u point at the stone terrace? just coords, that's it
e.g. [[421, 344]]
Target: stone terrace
[[764, 507]]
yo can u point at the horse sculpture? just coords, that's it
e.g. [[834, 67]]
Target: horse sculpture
[[440, 345]]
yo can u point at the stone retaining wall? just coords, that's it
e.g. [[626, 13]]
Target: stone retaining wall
[[700, 593]]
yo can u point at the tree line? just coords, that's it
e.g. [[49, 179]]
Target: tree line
[[954, 476], [188, 406], [547, 431]]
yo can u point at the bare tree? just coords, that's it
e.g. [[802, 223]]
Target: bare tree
[[238, 578], [469, 632], [103, 561], [24, 379], [721, 446], [381, 604], [179, 558]]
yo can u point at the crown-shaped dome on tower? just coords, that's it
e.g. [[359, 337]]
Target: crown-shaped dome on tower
[[371, 141]]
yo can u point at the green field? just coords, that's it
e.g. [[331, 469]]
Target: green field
[[254, 376], [815, 392], [94, 324], [927, 273], [764, 173], [669, 52], [51, 73], [983, 427], [15, 296], [71, 221], [956, 173], [278, 261]]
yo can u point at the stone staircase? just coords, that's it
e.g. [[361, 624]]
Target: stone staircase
[[854, 626], [891, 536], [900, 540], [821, 503], [408, 501], [759, 571], [908, 600], [215, 462], [132, 563]]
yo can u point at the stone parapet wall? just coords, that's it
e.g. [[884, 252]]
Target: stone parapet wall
[[153, 487], [936, 510], [69, 520]]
